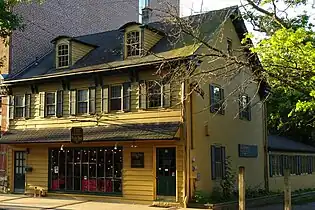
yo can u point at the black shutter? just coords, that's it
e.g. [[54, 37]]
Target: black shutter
[[299, 165], [92, 102], [270, 165], [59, 107], [212, 101], [222, 101], [223, 161], [127, 96], [310, 165], [282, 165], [213, 177], [27, 106]]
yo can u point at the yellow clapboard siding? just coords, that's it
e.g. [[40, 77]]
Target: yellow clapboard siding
[[79, 50], [127, 187], [54, 122], [136, 183], [143, 173], [150, 39]]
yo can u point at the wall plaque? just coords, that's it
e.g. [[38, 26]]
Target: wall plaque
[[249, 151]]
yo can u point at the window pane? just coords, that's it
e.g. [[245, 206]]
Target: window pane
[[50, 98], [19, 100], [50, 110], [19, 112], [82, 107], [115, 91], [154, 94], [115, 104], [82, 95], [63, 55]]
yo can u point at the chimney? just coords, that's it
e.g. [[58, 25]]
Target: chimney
[[146, 15]]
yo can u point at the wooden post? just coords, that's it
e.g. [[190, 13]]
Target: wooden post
[[287, 190], [241, 188]]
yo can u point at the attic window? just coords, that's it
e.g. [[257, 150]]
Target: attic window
[[63, 55], [133, 43]]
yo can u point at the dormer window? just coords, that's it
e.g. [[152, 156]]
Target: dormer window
[[133, 43], [63, 55]]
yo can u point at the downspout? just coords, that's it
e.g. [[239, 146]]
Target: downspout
[[265, 139], [186, 135]]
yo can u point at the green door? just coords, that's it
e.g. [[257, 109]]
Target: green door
[[19, 172], [166, 171]]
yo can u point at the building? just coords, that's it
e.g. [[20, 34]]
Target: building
[[68, 17], [299, 158], [149, 132]]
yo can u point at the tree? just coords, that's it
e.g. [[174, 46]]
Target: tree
[[8, 20], [287, 54]]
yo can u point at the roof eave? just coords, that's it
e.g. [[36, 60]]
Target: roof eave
[[63, 74]]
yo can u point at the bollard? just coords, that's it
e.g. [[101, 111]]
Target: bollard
[[287, 190], [241, 188]]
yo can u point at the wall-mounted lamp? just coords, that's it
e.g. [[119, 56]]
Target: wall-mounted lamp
[[115, 146], [27, 150]]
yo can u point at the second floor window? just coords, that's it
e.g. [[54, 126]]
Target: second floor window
[[216, 99], [82, 101], [133, 43], [115, 97], [19, 106], [63, 55], [245, 109], [154, 94], [50, 104]]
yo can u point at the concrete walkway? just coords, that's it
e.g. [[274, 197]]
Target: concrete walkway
[[28, 203]]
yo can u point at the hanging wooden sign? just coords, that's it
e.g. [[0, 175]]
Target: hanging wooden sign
[[76, 135]]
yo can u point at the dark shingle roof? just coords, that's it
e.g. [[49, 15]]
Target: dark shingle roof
[[147, 131], [109, 44], [279, 143]]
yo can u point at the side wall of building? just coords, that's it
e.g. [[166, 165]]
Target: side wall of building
[[302, 181], [227, 130]]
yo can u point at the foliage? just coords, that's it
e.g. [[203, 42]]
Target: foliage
[[10, 21], [287, 54], [228, 181]]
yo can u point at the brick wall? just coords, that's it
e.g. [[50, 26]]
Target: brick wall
[[64, 17]]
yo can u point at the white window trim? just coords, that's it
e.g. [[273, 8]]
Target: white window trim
[[121, 97], [58, 56], [87, 101], [132, 44]]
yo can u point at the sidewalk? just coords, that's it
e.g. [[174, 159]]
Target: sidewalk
[[28, 203]]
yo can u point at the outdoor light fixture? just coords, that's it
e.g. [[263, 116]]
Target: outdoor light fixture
[[115, 146], [27, 150], [61, 148]]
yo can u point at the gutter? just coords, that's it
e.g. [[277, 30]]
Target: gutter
[[63, 74]]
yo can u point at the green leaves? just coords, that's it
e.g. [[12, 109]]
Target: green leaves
[[288, 57]]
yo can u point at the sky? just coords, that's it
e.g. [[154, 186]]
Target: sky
[[190, 7]]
